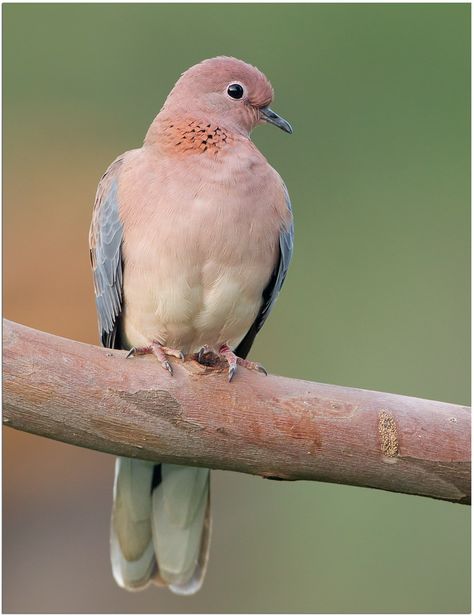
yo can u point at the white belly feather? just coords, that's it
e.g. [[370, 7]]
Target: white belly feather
[[194, 291], [183, 312]]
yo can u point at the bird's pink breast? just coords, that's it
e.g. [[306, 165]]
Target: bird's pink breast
[[201, 236]]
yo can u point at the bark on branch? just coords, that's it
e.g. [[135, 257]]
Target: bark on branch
[[270, 426]]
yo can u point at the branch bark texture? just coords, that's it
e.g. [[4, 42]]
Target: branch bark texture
[[270, 426]]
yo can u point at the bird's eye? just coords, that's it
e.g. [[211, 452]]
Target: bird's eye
[[235, 90]]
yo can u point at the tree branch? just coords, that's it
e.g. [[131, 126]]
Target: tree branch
[[270, 426]]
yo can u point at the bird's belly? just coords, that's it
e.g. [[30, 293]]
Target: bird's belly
[[193, 308]]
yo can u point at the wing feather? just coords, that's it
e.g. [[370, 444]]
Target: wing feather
[[105, 242], [274, 285]]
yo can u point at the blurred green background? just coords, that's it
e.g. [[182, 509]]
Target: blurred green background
[[377, 295]]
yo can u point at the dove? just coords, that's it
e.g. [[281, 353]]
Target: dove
[[190, 242]]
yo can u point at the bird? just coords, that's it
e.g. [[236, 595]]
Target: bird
[[190, 242]]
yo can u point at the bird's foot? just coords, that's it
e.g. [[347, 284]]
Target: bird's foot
[[234, 361], [159, 351]]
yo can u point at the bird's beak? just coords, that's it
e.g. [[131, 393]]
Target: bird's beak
[[267, 115]]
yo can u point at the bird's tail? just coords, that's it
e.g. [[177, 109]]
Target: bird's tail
[[160, 525]]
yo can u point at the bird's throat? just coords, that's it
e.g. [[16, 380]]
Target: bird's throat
[[191, 136]]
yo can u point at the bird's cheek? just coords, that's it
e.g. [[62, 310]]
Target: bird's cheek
[[252, 116]]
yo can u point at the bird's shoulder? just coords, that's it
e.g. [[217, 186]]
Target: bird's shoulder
[[277, 193]]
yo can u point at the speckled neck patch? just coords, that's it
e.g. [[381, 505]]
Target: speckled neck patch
[[195, 136]]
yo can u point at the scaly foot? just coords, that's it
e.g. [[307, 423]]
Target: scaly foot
[[234, 361], [159, 351]]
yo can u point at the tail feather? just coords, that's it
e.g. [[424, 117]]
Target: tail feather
[[195, 583], [135, 574], [131, 543], [179, 506], [160, 532]]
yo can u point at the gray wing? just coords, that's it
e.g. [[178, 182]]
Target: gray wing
[[105, 241], [274, 285]]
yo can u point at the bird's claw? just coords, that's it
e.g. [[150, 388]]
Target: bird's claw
[[201, 353], [160, 352], [134, 351], [251, 365], [232, 371], [206, 356], [260, 368], [173, 352], [167, 366], [231, 358]]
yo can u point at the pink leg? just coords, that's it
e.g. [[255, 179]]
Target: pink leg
[[159, 351], [234, 361]]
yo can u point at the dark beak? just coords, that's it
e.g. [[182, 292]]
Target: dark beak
[[271, 117]]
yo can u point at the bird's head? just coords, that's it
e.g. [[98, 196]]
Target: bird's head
[[226, 91]]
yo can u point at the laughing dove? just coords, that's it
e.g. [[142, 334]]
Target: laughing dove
[[190, 241]]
